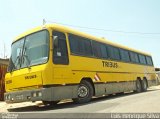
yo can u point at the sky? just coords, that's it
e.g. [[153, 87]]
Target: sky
[[138, 20]]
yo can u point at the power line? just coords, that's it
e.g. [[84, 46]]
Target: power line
[[108, 30]]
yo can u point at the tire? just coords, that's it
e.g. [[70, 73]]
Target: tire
[[85, 92], [138, 86], [50, 103], [144, 85]]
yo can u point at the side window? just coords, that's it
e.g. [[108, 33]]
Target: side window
[[87, 47], [74, 45], [96, 49], [114, 53], [124, 55], [142, 59], [149, 60], [60, 54], [99, 50], [134, 57], [104, 51], [80, 45]]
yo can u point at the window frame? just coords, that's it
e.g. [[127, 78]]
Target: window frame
[[150, 60], [109, 57], [124, 60], [67, 53], [134, 57], [96, 49], [24, 37], [112, 48], [83, 41], [106, 48], [142, 59]]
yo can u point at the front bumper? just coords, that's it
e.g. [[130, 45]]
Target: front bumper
[[23, 96], [43, 94]]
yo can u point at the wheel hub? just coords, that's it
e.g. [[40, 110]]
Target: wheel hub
[[82, 91]]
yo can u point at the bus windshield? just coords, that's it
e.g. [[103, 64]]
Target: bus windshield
[[29, 51]]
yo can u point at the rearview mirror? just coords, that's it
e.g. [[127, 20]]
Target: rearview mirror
[[55, 41]]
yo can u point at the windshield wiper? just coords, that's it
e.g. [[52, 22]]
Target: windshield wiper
[[26, 57], [18, 60], [28, 61], [11, 65]]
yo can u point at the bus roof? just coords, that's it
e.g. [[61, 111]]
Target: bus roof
[[76, 32]]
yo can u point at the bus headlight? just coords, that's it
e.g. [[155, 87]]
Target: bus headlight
[[6, 97], [34, 94], [39, 94], [9, 97]]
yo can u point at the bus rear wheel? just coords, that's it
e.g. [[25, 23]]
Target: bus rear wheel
[[138, 86], [144, 85], [85, 92]]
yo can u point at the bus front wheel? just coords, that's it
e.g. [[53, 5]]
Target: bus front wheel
[[85, 92]]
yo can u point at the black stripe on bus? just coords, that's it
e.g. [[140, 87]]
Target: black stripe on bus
[[110, 72], [76, 84]]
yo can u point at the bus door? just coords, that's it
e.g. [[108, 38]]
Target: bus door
[[61, 69]]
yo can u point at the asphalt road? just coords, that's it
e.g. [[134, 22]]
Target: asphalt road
[[146, 102]]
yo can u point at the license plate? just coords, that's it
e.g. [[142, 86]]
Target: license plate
[[19, 97]]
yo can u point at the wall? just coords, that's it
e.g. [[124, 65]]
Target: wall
[[3, 70]]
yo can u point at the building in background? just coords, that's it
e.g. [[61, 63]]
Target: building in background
[[3, 70]]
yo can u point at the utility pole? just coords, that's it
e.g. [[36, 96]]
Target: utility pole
[[4, 52]]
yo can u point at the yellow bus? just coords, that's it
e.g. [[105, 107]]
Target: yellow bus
[[51, 63]]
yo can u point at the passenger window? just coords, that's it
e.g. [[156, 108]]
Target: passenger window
[[142, 59], [134, 57], [80, 45], [124, 55], [104, 51], [97, 49], [114, 53], [60, 53], [149, 60], [74, 45]]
